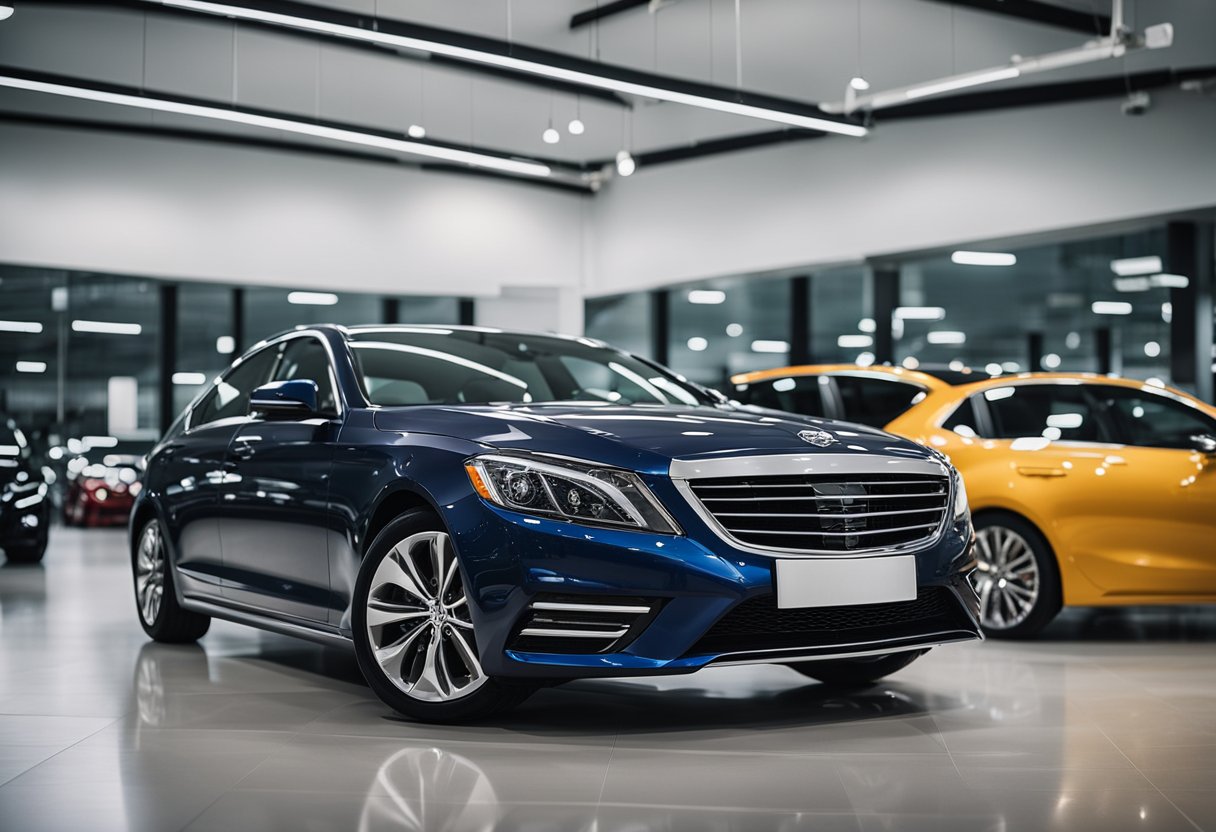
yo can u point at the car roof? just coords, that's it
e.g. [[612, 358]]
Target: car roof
[[926, 380]]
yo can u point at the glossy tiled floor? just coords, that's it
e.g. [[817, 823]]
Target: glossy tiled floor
[[1107, 724]]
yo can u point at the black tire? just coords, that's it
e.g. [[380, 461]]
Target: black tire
[[858, 672], [165, 621], [1048, 595], [32, 553], [489, 696]]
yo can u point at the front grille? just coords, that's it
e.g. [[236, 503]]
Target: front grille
[[827, 513], [758, 624], [581, 623]]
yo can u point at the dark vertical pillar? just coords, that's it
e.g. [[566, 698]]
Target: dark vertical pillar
[[886, 298], [800, 320], [238, 321], [1104, 349], [1034, 351], [168, 354], [660, 325], [1189, 253], [466, 313], [390, 310]]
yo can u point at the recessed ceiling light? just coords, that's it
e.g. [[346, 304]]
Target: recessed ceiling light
[[946, 336], [770, 346], [29, 366], [189, 379], [920, 313], [312, 298], [707, 296], [32, 327], [1111, 307], [106, 327], [1136, 265], [697, 344], [854, 341], [983, 258]]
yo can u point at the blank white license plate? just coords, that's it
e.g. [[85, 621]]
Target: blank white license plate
[[838, 582]]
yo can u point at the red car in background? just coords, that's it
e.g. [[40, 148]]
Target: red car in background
[[101, 494]]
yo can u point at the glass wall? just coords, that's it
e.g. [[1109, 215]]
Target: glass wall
[[842, 304], [622, 320], [729, 325]]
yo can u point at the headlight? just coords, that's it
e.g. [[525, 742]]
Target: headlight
[[568, 490], [961, 507]]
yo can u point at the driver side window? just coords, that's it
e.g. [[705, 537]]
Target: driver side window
[[307, 358], [1152, 420], [230, 396]]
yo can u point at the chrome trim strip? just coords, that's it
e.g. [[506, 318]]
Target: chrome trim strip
[[684, 470], [571, 607], [775, 465], [842, 515], [818, 499], [857, 533], [935, 640], [551, 633], [249, 618]]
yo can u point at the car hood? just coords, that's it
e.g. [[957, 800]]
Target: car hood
[[641, 437]]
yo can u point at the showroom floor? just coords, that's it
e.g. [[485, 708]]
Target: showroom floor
[[1109, 723]]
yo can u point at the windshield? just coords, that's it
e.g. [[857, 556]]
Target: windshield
[[400, 366]]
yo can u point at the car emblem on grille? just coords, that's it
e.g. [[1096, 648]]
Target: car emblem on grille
[[818, 438]]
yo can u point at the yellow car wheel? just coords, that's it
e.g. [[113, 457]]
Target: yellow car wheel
[[1017, 577]]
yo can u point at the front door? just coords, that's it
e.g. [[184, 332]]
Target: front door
[[274, 499]]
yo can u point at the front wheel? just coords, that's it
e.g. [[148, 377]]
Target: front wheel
[[160, 613], [413, 633], [858, 672], [1016, 577]]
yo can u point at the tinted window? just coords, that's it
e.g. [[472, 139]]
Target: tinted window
[[230, 396], [1152, 419], [876, 401], [803, 394], [962, 421], [306, 358], [1051, 411], [403, 367]]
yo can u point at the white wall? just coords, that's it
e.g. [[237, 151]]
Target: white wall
[[534, 309], [913, 185], [162, 208]]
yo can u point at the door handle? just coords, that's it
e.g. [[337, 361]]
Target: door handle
[[1040, 471], [244, 446]]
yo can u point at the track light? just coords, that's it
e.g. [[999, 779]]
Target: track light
[[625, 165], [536, 62], [343, 134]]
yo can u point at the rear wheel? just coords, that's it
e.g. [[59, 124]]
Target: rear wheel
[[1016, 577], [864, 670], [413, 632], [160, 613]]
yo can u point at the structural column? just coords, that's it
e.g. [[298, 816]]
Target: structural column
[[886, 298], [660, 324], [168, 355], [800, 320], [1189, 252]]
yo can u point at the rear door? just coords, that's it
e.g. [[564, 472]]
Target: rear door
[[275, 498]]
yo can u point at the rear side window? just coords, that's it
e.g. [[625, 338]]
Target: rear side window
[[230, 396], [803, 394], [962, 421], [1051, 411], [1153, 420], [876, 401]]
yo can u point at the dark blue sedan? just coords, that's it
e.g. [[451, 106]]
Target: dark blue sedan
[[481, 513]]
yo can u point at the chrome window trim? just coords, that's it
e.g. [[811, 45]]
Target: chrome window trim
[[684, 471]]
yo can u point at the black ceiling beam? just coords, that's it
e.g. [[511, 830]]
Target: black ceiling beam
[[277, 145], [1038, 12], [122, 89], [606, 10], [502, 74], [507, 49]]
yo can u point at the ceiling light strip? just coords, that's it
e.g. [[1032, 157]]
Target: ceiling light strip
[[339, 134], [470, 54]]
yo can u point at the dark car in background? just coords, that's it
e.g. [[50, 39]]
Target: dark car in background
[[479, 513], [24, 502]]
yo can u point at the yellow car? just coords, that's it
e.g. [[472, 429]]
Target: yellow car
[[1085, 490]]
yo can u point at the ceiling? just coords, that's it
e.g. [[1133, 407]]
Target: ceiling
[[792, 48]]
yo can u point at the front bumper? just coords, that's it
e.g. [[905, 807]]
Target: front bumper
[[709, 603]]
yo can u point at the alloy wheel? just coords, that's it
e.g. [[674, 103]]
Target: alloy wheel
[[150, 573], [418, 622], [1007, 577]]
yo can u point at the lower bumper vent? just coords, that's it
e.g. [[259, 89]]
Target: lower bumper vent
[[582, 623], [758, 624]]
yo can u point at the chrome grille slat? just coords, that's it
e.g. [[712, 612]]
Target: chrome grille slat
[[827, 514]]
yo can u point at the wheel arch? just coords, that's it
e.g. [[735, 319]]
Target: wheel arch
[[388, 506]]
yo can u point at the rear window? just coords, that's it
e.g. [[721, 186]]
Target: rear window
[[876, 401], [802, 394]]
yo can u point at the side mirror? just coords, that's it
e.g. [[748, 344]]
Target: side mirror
[[1205, 443], [294, 399]]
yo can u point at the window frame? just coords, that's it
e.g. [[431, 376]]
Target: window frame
[[839, 411]]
